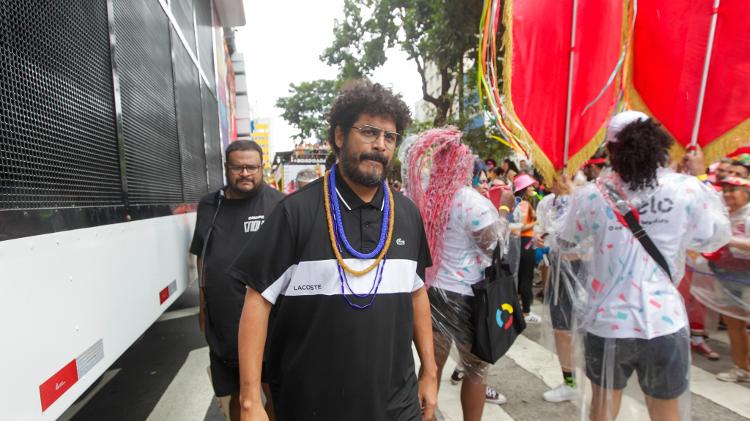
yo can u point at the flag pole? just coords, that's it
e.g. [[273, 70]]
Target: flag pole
[[704, 78], [568, 106], [568, 112]]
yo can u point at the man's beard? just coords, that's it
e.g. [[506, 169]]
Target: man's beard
[[241, 192], [350, 163]]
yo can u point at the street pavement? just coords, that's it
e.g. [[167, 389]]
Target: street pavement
[[163, 377]]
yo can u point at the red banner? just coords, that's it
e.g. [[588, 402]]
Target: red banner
[[668, 54], [537, 59]]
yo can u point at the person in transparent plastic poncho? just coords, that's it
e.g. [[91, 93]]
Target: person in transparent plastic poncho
[[563, 290], [633, 320], [463, 228], [721, 281]]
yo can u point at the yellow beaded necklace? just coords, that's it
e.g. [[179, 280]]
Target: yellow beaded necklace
[[332, 234]]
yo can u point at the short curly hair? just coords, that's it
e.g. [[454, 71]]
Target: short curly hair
[[642, 147], [364, 97]]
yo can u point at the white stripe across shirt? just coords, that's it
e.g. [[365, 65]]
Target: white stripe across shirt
[[326, 360]]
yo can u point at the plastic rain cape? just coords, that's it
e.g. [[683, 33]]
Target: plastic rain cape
[[472, 232], [627, 319], [721, 281]]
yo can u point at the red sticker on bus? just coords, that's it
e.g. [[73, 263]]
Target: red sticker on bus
[[58, 384], [167, 292], [163, 295]]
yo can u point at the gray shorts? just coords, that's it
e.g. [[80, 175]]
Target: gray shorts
[[662, 363]]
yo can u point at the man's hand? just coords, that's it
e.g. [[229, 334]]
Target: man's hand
[[428, 393], [693, 162], [202, 319], [253, 412], [539, 240]]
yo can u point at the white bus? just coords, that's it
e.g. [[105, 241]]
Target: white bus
[[112, 118]]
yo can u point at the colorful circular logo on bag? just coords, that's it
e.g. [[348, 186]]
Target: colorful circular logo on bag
[[504, 316]]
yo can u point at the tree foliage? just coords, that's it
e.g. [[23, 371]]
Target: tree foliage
[[306, 107], [440, 36], [436, 33]]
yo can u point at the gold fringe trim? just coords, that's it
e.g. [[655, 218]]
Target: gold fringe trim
[[539, 158], [717, 148], [728, 142], [577, 160]]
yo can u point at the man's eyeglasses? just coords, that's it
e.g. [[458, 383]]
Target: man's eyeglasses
[[239, 169], [371, 134]]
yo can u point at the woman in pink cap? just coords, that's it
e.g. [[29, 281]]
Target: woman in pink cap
[[524, 218]]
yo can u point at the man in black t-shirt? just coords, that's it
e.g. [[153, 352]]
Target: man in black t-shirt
[[340, 342], [226, 220]]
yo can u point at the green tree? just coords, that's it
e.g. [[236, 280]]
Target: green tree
[[435, 33], [306, 106]]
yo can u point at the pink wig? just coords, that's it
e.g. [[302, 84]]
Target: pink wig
[[450, 164]]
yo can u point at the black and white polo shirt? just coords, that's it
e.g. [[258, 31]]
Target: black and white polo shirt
[[325, 359]]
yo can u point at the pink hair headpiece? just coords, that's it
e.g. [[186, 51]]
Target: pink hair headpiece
[[450, 164]]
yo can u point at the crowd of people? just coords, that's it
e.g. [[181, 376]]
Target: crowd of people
[[311, 303]]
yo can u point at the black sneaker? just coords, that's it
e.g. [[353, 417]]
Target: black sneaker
[[457, 376]]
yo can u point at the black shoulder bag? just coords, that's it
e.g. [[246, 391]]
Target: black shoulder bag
[[496, 318]]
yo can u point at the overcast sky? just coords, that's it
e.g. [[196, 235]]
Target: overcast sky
[[282, 42]]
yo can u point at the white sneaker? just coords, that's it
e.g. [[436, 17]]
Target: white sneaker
[[533, 318], [493, 396], [734, 375], [561, 393]]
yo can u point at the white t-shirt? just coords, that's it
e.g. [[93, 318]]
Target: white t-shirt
[[740, 228], [463, 261], [629, 295]]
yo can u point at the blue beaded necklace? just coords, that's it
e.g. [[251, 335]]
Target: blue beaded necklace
[[340, 237]]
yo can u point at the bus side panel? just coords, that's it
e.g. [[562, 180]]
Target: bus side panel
[[74, 301]]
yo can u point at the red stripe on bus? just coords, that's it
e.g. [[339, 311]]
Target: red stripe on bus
[[59, 383], [163, 295]]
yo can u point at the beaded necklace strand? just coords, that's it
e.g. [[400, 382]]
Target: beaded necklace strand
[[332, 232], [373, 290], [340, 226]]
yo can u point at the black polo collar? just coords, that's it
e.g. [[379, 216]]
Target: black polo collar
[[351, 201]]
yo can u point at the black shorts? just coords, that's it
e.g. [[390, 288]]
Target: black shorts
[[225, 376], [662, 363], [451, 315]]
